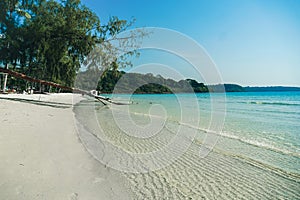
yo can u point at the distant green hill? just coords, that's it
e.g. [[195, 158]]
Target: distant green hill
[[146, 84], [122, 82], [227, 87], [271, 89]]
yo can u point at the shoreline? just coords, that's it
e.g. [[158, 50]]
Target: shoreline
[[42, 156], [221, 175]]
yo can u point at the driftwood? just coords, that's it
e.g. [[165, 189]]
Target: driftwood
[[103, 100]]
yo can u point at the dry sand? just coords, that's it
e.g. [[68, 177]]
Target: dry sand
[[41, 156]]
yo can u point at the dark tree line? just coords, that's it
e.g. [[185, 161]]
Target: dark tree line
[[54, 41]]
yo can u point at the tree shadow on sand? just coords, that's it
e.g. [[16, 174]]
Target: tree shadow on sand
[[40, 103]]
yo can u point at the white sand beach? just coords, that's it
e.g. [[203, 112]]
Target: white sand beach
[[41, 156]]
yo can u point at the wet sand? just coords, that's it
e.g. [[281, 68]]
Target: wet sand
[[220, 175]]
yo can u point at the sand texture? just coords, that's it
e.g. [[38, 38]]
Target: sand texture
[[41, 156], [218, 176], [51, 150]]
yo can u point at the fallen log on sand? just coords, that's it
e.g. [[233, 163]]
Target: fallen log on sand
[[103, 100]]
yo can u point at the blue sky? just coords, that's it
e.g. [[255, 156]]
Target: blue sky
[[252, 42]]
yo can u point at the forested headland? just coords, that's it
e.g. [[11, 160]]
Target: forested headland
[[115, 81], [122, 82]]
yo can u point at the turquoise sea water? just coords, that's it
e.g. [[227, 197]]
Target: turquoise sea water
[[263, 126], [257, 154]]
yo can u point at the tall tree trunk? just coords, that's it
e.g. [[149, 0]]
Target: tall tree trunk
[[5, 79]]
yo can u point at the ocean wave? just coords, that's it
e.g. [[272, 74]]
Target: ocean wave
[[272, 103], [274, 169], [247, 141], [251, 142], [261, 144], [281, 172], [286, 174]]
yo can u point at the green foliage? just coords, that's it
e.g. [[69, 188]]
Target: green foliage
[[153, 88], [55, 40], [233, 88], [198, 87], [108, 82]]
